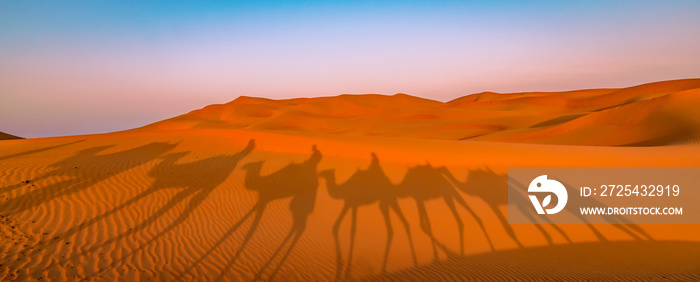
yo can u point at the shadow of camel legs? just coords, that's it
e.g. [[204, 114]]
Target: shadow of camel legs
[[195, 190], [493, 189], [424, 183], [426, 227], [365, 187], [618, 222], [297, 181], [294, 234], [385, 208]]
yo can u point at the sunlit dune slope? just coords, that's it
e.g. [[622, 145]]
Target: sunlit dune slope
[[646, 115]]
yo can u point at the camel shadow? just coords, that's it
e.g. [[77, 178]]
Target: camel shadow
[[618, 221], [10, 156], [421, 183], [365, 187], [169, 173], [424, 183], [80, 178], [297, 181], [493, 188]]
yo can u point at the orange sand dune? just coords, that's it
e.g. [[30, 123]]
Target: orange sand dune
[[334, 188], [662, 120], [582, 117]]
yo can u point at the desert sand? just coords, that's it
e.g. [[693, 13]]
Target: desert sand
[[351, 187]]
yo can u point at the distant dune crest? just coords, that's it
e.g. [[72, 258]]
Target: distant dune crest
[[654, 114], [5, 136]]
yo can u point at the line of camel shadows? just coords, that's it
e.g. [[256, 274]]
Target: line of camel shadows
[[297, 182]]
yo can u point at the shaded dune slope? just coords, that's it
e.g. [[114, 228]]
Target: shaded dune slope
[[5, 136]]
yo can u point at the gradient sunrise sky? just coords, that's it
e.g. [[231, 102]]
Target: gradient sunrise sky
[[77, 67]]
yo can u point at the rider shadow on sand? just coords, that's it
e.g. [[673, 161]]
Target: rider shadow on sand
[[364, 187], [421, 183], [298, 181]]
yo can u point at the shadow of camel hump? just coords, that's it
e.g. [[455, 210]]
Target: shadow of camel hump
[[365, 187], [493, 188], [298, 181], [83, 171], [423, 183]]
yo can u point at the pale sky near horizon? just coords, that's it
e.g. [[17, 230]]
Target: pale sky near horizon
[[77, 67]]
